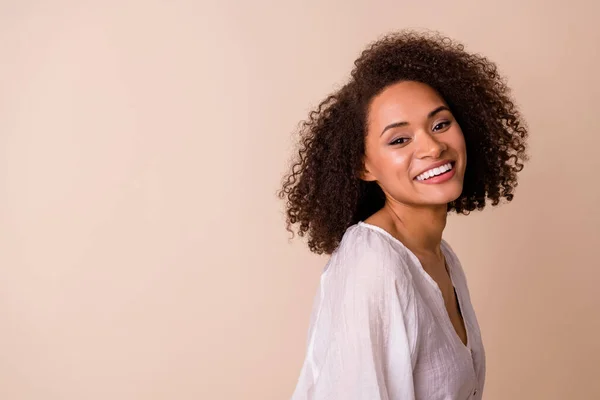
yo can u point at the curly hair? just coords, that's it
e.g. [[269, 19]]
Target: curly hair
[[323, 190]]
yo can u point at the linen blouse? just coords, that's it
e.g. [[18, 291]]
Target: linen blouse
[[379, 328]]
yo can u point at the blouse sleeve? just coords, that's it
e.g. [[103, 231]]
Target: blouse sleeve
[[360, 344]]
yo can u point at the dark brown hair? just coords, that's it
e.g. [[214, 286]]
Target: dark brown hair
[[323, 192]]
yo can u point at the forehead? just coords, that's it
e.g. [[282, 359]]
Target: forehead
[[403, 101]]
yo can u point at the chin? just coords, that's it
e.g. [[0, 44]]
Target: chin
[[442, 196]]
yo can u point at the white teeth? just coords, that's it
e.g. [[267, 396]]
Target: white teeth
[[434, 171]]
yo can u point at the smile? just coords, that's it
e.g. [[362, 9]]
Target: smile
[[436, 172]]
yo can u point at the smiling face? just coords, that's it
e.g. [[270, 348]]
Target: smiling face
[[414, 148]]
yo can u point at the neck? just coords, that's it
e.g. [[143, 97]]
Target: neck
[[419, 228]]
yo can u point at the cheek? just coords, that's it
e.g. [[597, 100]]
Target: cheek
[[397, 164], [457, 142]]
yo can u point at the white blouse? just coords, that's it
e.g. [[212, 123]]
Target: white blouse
[[379, 328]]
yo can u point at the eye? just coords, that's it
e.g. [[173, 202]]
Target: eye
[[401, 140], [441, 125]]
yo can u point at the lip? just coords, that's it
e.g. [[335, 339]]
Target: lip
[[440, 178], [435, 165]]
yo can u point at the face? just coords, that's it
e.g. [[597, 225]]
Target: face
[[414, 148]]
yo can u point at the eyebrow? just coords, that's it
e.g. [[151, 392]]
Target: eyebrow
[[430, 115]]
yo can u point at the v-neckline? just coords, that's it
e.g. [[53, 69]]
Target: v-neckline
[[459, 303], [436, 287]]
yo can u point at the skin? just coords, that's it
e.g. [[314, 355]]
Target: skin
[[421, 131]]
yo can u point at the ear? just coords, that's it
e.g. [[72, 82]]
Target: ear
[[366, 175]]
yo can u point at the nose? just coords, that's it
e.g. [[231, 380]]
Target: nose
[[428, 146]]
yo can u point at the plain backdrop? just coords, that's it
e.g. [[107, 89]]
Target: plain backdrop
[[143, 253]]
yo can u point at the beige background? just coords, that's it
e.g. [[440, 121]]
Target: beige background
[[143, 253]]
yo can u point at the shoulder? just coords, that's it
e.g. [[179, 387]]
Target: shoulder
[[369, 253], [362, 241]]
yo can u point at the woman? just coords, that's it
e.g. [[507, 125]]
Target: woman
[[382, 162]]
